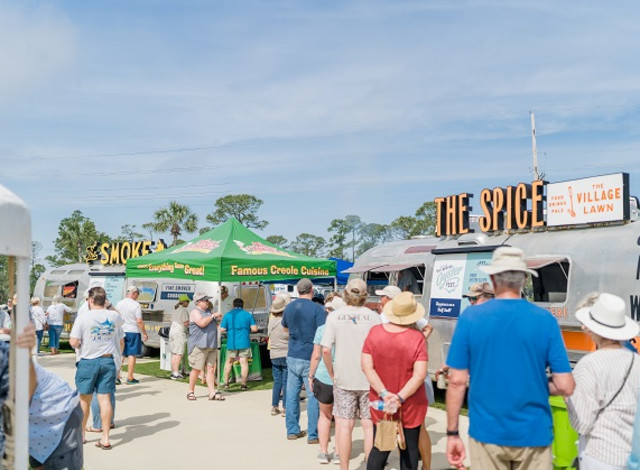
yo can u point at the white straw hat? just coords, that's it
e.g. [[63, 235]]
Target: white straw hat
[[607, 318], [508, 258]]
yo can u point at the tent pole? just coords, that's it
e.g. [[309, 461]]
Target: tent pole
[[21, 360], [219, 372]]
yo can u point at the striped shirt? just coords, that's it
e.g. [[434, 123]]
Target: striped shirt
[[598, 377]]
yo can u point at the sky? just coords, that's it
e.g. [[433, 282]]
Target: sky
[[320, 109]]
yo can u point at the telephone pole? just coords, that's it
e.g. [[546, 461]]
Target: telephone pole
[[534, 148]]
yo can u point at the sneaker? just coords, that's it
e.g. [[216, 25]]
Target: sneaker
[[293, 437], [118, 382], [313, 441], [175, 376], [132, 381], [323, 458], [336, 459], [275, 411]]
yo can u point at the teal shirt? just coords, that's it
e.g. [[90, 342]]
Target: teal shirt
[[238, 324], [321, 372]]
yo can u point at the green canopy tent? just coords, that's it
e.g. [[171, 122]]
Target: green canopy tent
[[229, 253]]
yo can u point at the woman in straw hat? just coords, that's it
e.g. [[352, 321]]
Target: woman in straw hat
[[278, 348], [178, 334], [603, 405], [394, 359]]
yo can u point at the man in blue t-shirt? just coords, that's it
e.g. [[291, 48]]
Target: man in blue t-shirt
[[301, 319], [238, 324], [505, 346]]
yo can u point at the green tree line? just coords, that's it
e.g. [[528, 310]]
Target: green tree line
[[349, 236]]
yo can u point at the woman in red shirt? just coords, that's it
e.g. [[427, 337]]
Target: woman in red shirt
[[394, 359]]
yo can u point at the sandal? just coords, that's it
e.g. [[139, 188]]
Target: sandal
[[191, 396], [226, 386], [217, 397], [244, 387], [103, 446]]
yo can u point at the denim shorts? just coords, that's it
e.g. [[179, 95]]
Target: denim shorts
[[132, 344], [96, 375]]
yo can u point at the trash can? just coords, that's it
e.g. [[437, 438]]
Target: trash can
[[565, 438], [255, 366], [165, 354]]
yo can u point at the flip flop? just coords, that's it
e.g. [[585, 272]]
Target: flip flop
[[92, 429], [103, 446], [217, 397], [191, 396]]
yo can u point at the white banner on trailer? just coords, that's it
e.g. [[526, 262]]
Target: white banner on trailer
[[588, 200]]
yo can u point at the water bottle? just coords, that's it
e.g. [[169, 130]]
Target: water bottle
[[380, 406]]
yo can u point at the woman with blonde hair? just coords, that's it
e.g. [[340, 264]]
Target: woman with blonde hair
[[39, 320], [603, 405], [55, 320]]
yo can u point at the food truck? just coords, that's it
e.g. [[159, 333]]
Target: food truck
[[580, 236]]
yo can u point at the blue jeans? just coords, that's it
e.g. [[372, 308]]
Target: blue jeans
[[95, 410], [279, 371], [299, 374], [39, 334], [54, 336]]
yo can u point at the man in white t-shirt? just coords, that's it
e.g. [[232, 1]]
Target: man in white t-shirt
[[346, 329], [96, 335], [227, 302], [134, 331]]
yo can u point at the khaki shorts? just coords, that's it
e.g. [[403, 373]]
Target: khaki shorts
[[236, 353], [491, 456], [351, 404], [200, 357], [177, 342]]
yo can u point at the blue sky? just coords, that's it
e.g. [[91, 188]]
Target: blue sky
[[321, 109]]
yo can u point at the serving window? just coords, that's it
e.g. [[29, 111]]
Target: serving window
[[552, 282]]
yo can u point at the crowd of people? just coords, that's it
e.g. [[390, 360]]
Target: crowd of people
[[355, 363]]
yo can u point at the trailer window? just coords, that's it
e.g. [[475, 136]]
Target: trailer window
[[70, 290], [254, 297], [551, 284]]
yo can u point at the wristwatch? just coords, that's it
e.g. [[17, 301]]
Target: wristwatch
[[453, 433]]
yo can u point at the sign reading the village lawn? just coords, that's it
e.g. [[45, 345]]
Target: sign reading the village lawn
[[588, 200], [597, 199]]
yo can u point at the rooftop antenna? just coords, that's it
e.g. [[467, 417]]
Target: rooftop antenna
[[534, 148]]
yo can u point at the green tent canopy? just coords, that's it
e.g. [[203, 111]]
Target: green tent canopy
[[229, 253]]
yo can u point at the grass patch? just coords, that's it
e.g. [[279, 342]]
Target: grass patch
[[152, 368]]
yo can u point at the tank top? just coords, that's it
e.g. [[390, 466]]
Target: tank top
[[206, 337]]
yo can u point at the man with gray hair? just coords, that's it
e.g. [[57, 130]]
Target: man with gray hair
[[508, 339], [346, 329], [301, 318]]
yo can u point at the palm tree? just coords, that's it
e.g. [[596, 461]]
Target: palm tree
[[175, 218]]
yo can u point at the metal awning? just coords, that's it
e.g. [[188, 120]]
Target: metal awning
[[537, 263], [394, 267], [361, 269]]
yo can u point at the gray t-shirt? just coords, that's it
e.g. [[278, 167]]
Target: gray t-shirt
[[346, 329]]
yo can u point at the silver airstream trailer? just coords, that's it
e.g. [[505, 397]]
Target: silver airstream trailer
[[572, 260]]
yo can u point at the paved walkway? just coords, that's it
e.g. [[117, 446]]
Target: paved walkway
[[156, 427]]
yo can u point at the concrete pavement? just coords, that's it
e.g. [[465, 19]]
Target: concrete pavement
[[156, 427]]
